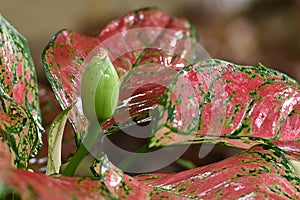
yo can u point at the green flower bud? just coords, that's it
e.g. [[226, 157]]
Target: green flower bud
[[99, 88]]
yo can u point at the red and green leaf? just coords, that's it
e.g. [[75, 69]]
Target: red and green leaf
[[20, 113], [64, 56], [31, 185], [216, 98], [261, 172], [259, 104]]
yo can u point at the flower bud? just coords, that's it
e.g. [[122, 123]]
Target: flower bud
[[99, 88]]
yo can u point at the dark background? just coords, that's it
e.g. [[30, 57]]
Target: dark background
[[239, 31]]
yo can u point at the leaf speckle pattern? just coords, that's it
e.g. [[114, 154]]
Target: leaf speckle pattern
[[255, 99], [19, 95], [63, 57], [260, 172]]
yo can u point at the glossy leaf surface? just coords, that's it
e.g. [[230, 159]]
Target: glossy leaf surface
[[32, 185], [262, 172], [228, 100], [63, 57], [252, 95]]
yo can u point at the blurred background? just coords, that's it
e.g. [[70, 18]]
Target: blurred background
[[239, 31]]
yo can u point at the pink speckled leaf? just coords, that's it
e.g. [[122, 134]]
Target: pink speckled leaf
[[30, 185], [126, 187], [18, 183], [21, 126], [64, 56], [261, 172], [220, 102]]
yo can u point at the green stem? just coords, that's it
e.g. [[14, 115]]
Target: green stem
[[82, 151], [76, 159], [130, 160], [125, 164]]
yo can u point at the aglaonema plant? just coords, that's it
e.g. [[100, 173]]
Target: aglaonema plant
[[259, 112]]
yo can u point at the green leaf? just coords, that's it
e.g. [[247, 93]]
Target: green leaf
[[21, 126], [55, 137]]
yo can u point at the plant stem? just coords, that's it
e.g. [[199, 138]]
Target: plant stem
[[82, 151], [130, 160], [76, 159], [127, 163]]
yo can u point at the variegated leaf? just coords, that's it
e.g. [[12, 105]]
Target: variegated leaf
[[64, 56], [220, 102], [21, 119]]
